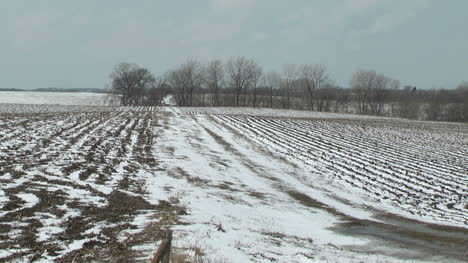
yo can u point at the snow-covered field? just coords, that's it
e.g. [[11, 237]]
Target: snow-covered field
[[57, 98], [239, 185]]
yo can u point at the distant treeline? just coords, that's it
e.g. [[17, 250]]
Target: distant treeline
[[241, 82]]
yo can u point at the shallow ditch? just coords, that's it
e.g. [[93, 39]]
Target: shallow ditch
[[410, 238]]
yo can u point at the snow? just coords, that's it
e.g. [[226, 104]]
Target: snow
[[45, 233], [356, 161], [77, 244], [248, 222], [240, 174], [60, 98], [29, 198], [3, 198], [169, 101]]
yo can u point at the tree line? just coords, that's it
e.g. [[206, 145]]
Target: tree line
[[241, 82]]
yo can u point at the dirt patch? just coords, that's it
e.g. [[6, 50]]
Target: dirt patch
[[111, 245], [258, 195], [225, 186], [87, 172], [308, 201], [227, 146], [276, 237], [120, 207], [25, 223], [195, 180], [427, 238], [424, 245]]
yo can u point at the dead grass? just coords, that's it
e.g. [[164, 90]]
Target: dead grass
[[307, 200], [110, 248], [258, 195], [192, 254], [225, 186], [195, 180]]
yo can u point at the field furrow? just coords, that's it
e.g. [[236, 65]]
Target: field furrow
[[388, 171], [95, 183]]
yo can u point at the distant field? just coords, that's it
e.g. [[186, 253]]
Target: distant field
[[239, 184], [421, 168], [55, 98]]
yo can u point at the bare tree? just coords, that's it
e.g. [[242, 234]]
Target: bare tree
[[325, 96], [462, 95], [130, 81], [214, 76], [371, 90], [342, 102], [380, 92], [436, 103], [193, 74], [185, 80], [290, 75], [241, 82], [408, 104], [178, 85], [156, 94], [313, 77], [256, 76], [240, 72], [273, 82], [362, 83]]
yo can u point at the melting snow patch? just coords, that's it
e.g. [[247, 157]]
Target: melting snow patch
[[3, 198], [8, 252], [45, 233], [30, 199], [76, 244]]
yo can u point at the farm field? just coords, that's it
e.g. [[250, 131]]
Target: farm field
[[60, 98], [99, 183]]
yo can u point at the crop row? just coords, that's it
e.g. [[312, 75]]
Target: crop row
[[404, 169]]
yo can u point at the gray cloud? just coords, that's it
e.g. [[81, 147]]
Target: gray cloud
[[78, 43]]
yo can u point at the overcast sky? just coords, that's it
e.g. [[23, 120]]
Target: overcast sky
[[76, 44]]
